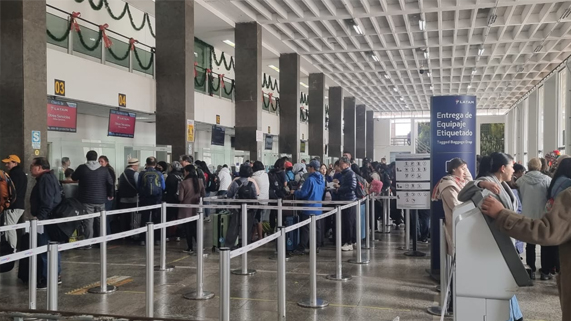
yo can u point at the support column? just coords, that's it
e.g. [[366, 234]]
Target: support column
[[532, 125], [317, 115], [361, 132], [248, 119], [174, 73], [550, 115], [519, 132], [568, 115], [335, 122], [289, 105], [370, 145], [349, 126], [23, 99]]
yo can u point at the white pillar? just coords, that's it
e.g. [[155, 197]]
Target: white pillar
[[550, 115], [519, 132], [532, 125], [568, 115]]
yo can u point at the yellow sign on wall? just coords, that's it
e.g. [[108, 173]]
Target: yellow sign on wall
[[217, 119], [190, 131], [269, 130], [59, 87], [122, 100]]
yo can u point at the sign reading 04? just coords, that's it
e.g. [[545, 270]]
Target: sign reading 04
[[59, 87], [122, 100]]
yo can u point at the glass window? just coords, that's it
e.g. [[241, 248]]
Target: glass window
[[118, 53], [540, 94], [85, 43], [202, 53], [561, 97], [145, 57], [57, 27]]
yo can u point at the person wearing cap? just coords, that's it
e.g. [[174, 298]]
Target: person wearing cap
[[312, 190], [128, 194], [16, 210]]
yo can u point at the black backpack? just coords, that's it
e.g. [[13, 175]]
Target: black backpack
[[213, 183], [245, 192], [69, 207], [276, 186]]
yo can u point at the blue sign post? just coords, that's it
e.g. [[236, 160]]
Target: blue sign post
[[453, 134]]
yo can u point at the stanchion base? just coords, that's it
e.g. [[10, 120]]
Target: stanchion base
[[363, 261], [205, 295], [364, 247], [240, 272], [437, 311], [404, 248], [415, 253], [274, 258], [167, 268], [334, 277], [97, 290], [319, 304]]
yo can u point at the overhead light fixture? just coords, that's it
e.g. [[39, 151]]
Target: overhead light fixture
[[422, 24], [538, 49], [375, 58], [426, 54], [428, 74], [395, 89], [431, 87], [474, 71], [402, 99], [492, 19], [304, 85], [229, 43], [387, 76], [481, 51], [274, 68], [469, 86], [565, 14], [357, 28]]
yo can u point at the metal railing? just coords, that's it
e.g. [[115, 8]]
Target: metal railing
[[400, 141], [226, 254]]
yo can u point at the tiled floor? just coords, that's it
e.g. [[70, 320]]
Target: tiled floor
[[391, 285]]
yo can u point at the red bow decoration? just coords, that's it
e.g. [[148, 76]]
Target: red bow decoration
[[270, 95], [74, 16], [208, 71], [132, 42], [195, 72], [221, 78], [106, 39]]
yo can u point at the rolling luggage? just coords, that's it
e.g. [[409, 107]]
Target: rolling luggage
[[292, 238], [220, 222]]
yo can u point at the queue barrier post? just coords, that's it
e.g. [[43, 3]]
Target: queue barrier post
[[313, 301], [244, 269], [150, 277], [33, 262], [359, 259], [387, 214], [372, 220], [407, 230], [199, 294], [338, 276], [52, 276], [414, 252], [103, 287], [281, 274], [437, 310], [367, 223], [162, 267], [224, 284]]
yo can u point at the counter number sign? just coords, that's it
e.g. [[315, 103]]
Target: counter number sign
[[59, 87], [122, 100]]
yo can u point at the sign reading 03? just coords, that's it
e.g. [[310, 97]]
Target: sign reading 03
[[59, 87], [122, 100]]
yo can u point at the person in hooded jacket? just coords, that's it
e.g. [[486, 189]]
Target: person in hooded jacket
[[172, 191], [225, 180], [263, 182], [533, 188]]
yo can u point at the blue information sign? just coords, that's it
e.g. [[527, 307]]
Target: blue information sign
[[453, 134]]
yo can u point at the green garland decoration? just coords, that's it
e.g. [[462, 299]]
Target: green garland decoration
[[119, 17], [85, 45], [94, 6], [304, 99], [62, 38], [229, 65], [151, 60], [303, 114], [277, 99], [197, 82], [126, 10], [150, 26], [143, 23], [213, 89], [117, 57], [268, 84], [232, 87]]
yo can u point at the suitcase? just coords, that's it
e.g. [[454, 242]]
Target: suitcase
[[292, 238], [220, 223]]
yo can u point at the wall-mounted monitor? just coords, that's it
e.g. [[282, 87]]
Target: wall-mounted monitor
[[218, 134], [121, 124], [62, 116], [269, 142]]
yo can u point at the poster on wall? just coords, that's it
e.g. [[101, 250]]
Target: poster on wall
[[302, 146], [218, 134], [269, 144], [491, 138], [190, 131], [62, 116], [121, 124]]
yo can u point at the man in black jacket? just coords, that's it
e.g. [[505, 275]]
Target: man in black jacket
[[95, 188], [46, 195], [16, 209], [346, 192]]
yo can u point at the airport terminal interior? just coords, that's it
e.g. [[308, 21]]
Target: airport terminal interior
[[346, 119]]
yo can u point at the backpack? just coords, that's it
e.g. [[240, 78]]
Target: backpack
[[276, 187], [7, 191], [213, 183], [151, 184], [376, 186], [360, 188], [245, 192], [69, 207], [179, 178]]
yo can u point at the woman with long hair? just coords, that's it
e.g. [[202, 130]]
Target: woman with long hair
[[191, 190]]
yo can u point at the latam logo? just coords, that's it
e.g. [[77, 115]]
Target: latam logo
[[465, 102]]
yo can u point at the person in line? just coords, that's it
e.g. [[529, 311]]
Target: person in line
[[162, 167], [104, 162], [16, 210], [349, 156], [299, 170], [496, 169], [345, 191], [533, 189], [225, 180], [95, 189], [151, 186], [312, 189], [65, 164], [128, 195], [263, 182], [234, 191], [519, 171], [544, 166], [69, 187], [186, 160], [191, 190], [172, 192], [45, 196], [277, 190], [204, 172]]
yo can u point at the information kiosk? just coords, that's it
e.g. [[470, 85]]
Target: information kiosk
[[488, 270]]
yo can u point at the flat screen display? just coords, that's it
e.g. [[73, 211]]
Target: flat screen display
[[218, 134], [232, 142], [121, 124], [269, 145], [62, 116], [302, 146]]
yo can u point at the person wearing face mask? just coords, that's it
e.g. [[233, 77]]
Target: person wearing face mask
[[494, 174]]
